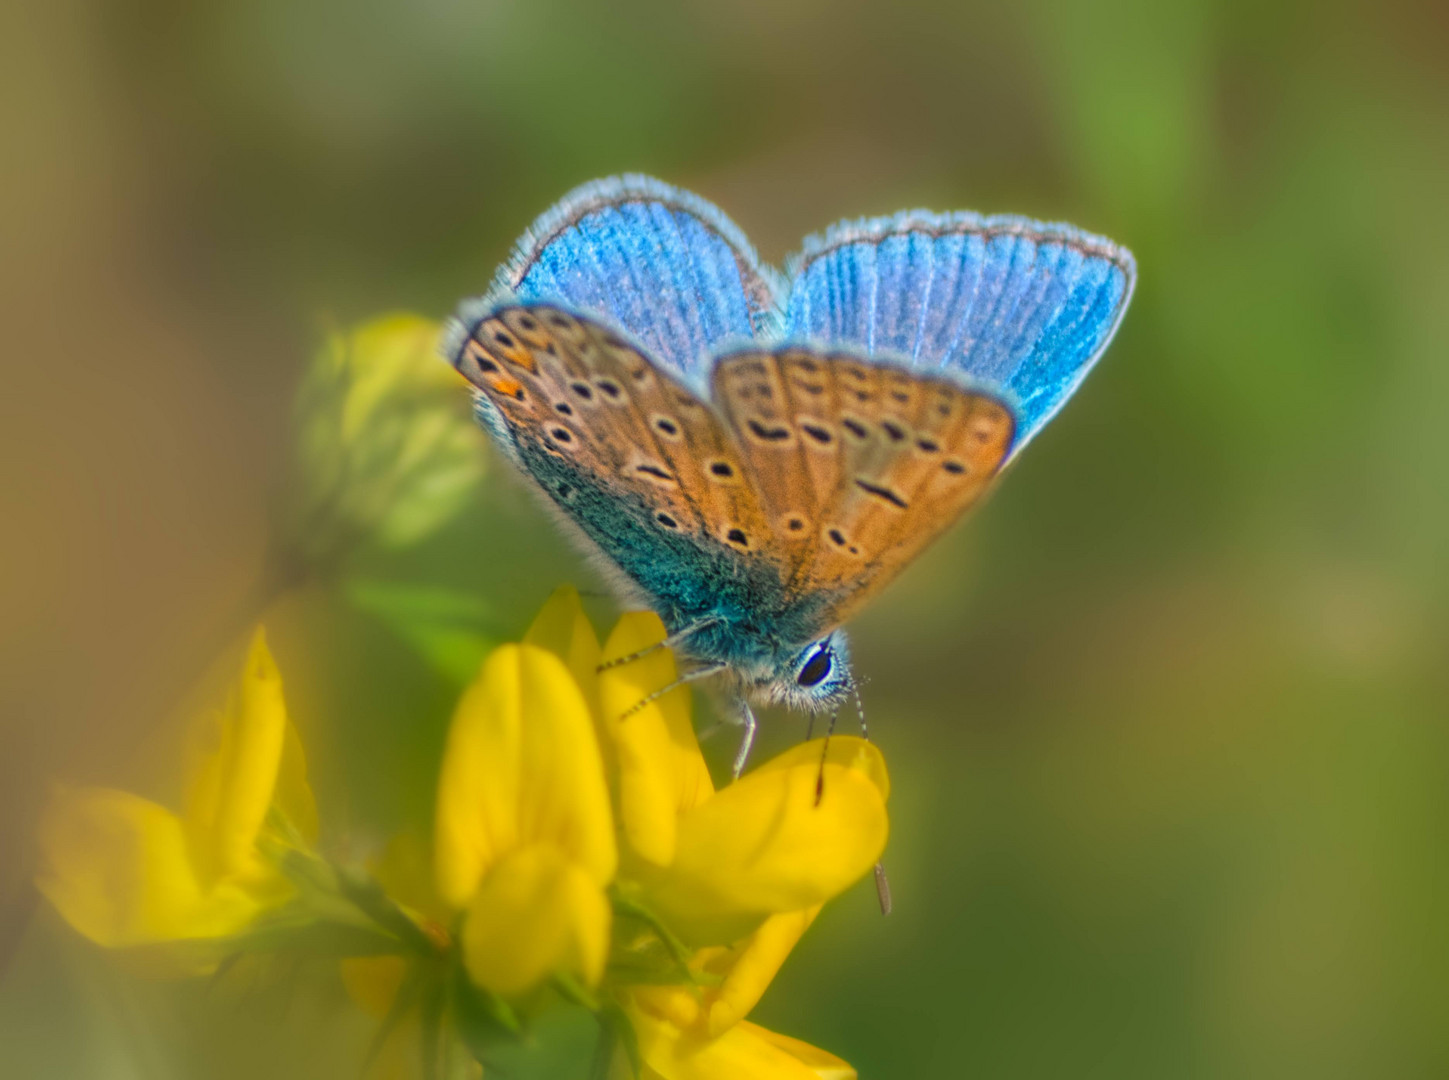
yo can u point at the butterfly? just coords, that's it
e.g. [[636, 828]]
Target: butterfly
[[753, 455]]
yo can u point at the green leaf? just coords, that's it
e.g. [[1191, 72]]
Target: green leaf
[[431, 1016], [317, 938], [604, 1051], [621, 1034], [451, 631], [562, 1041], [575, 991], [628, 910], [369, 898], [385, 450], [403, 1002], [484, 1021]]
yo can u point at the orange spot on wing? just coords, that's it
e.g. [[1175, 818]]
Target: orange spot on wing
[[507, 387]]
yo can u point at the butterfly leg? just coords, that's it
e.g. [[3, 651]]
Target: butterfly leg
[[687, 677], [668, 643], [747, 717]]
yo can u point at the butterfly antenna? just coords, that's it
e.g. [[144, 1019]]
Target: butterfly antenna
[[668, 643], [687, 677], [882, 889], [882, 883]]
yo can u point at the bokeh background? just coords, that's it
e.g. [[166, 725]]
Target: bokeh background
[[1168, 718]]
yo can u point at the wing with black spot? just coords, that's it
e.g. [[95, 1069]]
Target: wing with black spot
[[858, 465], [636, 461], [1027, 306]]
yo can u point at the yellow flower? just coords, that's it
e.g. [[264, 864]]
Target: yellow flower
[[724, 882], [524, 833], [125, 871], [745, 1050], [698, 1032], [713, 865], [739, 874], [385, 446]]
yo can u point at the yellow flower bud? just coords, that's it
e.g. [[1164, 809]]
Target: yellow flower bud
[[386, 449], [524, 831]]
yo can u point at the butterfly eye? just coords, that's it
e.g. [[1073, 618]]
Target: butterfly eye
[[816, 668]]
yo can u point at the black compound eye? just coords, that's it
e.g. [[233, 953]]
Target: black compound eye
[[816, 668]]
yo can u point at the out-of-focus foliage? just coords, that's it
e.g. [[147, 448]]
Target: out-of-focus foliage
[[449, 630], [1165, 719], [386, 450]]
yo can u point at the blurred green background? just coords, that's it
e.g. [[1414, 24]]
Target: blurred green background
[[1167, 718]]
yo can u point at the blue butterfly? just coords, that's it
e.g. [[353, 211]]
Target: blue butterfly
[[751, 454]]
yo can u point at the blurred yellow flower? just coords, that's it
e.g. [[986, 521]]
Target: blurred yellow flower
[[125, 871], [386, 449], [524, 841], [578, 841]]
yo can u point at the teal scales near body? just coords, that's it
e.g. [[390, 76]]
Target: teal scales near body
[[751, 454]]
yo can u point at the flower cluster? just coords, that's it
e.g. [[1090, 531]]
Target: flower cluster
[[577, 858], [128, 873]]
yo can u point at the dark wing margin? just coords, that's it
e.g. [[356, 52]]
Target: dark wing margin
[[860, 464]]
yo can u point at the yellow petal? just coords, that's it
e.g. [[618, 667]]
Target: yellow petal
[[745, 1050], [536, 913], [825, 1064], [753, 966], [763, 846], [682, 1005], [744, 973], [118, 869], [563, 629], [231, 785], [521, 767], [661, 771], [849, 751]]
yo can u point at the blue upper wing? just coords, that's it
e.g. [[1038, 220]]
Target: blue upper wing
[[1026, 306], [661, 263]]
